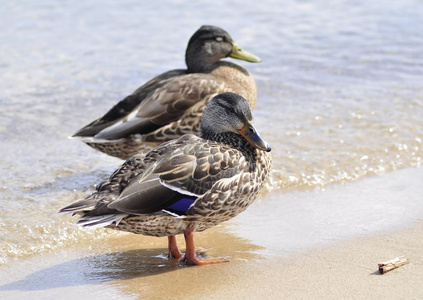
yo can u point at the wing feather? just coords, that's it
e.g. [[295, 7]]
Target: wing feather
[[172, 176], [159, 102]]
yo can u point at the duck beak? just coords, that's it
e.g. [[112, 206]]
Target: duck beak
[[250, 133], [238, 53]]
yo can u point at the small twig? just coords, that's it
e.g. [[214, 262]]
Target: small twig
[[393, 264]]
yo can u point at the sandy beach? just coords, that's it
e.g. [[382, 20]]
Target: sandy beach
[[325, 245], [127, 268]]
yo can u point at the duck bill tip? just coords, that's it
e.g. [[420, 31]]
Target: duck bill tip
[[239, 53], [254, 138]]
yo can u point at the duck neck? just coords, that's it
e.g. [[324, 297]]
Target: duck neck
[[234, 140], [199, 59], [199, 64]]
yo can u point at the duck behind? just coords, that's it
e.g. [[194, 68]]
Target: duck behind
[[170, 105]]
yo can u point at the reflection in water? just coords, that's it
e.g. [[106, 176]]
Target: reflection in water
[[96, 269]]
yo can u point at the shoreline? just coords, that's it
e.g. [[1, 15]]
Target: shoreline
[[125, 269], [319, 244]]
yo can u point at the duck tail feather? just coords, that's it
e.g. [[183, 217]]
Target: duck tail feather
[[100, 221]]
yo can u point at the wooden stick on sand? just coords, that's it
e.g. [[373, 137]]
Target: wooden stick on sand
[[393, 264]]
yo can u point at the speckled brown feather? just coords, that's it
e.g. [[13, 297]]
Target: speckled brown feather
[[227, 180], [230, 182]]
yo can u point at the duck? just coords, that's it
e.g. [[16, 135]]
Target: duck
[[171, 104], [185, 185]]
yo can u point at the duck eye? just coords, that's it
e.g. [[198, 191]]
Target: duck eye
[[219, 39], [231, 110]]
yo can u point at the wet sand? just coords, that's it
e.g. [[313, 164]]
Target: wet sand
[[132, 267], [271, 256]]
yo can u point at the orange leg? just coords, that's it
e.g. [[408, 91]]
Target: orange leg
[[190, 256], [173, 247]]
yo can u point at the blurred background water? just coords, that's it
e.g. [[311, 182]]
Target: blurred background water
[[340, 98]]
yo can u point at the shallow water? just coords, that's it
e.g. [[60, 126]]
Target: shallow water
[[304, 219], [340, 98]]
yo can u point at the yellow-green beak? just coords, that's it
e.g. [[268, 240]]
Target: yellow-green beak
[[238, 53]]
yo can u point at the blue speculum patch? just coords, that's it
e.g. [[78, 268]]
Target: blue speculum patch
[[181, 206]]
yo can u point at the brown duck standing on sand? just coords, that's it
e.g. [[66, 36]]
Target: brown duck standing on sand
[[188, 184], [170, 105]]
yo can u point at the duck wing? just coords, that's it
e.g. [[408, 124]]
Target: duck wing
[[109, 190], [178, 177], [171, 178], [159, 102]]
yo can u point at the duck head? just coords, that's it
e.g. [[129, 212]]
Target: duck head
[[208, 45], [230, 113]]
